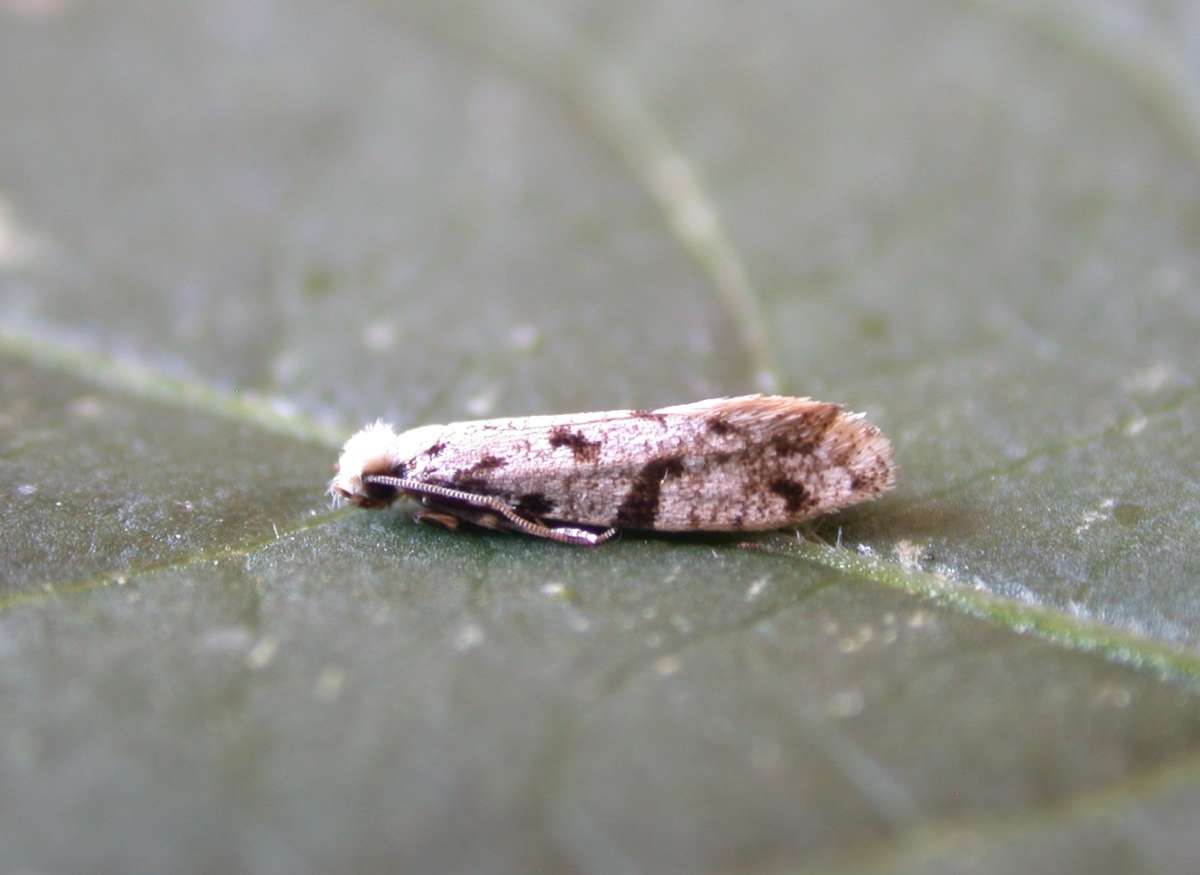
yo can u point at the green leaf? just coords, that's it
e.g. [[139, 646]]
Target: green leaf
[[230, 233]]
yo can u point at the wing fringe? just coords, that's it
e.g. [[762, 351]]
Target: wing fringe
[[751, 409]]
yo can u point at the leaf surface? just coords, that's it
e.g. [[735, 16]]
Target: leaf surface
[[230, 233]]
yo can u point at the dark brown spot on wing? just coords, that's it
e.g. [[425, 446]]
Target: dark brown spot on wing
[[534, 504], [435, 449], [649, 414], [639, 509], [803, 435], [470, 479], [582, 449], [795, 496], [718, 426], [793, 445]]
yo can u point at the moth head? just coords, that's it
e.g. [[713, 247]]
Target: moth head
[[371, 451], [378, 451]]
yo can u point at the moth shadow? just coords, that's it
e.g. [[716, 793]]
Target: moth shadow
[[691, 539], [897, 519]]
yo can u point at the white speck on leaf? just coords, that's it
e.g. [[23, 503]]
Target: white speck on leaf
[[1148, 380], [16, 245], [681, 624], [86, 407], [280, 405], [328, 685], [379, 336], [920, 619], [757, 588], [854, 643], [286, 366], [523, 337], [262, 653], [668, 665], [1091, 517], [468, 637]]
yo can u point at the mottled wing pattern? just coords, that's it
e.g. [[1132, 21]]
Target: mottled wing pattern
[[747, 463]]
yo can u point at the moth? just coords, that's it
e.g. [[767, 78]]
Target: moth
[[750, 463]]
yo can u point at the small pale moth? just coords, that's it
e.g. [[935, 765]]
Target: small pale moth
[[750, 463]]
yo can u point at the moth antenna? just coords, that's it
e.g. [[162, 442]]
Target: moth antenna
[[563, 534]]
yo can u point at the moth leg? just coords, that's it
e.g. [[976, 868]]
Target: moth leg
[[498, 520], [433, 518], [561, 534], [485, 519], [580, 537]]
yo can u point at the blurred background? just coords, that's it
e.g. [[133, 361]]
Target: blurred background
[[230, 233]]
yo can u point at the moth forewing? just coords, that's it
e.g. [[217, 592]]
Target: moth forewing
[[749, 463]]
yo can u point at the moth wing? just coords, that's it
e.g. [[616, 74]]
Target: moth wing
[[836, 456], [719, 464], [764, 416]]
